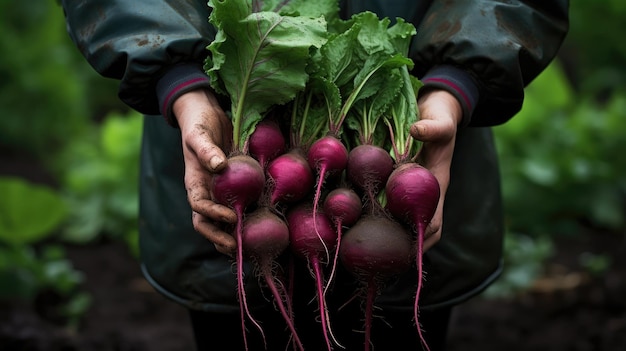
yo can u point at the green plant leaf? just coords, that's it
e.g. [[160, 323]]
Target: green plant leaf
[[336, 60], [259, 59], [20, 273], [100, 179], [596, 264], [28, 212], [120, 136], [524, 257], [327, 8]]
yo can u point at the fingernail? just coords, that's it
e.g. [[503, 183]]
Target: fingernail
[[417, 130], [215, 162], [420, 130]]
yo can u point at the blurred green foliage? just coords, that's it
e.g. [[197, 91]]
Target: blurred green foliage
[[100, 180], [595, 45], [525, 256], [595, 264], [45, 101], [49, 99], [25, 271], [561, 159], [49, 91], [28, 212], [30, 216]]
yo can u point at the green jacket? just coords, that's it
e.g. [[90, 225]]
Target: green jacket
[[484, 52]]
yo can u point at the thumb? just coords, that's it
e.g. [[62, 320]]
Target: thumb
[[204, 129], [209, 154], [200, 148], [433, 130]]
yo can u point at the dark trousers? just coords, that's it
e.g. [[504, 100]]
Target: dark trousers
[[390, 331]]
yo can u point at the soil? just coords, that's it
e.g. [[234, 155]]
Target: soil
[[566, 310]]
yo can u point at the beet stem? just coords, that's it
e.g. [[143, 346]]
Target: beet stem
[[336, 258], [372, 290], [332, 274], [243, 303], [316, 200], [419, 257], [286, 313], [291, 273], [319, 278]]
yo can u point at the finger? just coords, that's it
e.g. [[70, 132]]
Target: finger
[[202, 143], [433, 130], [215, 211], [226, 251], [433, 231], [199, 199], [224, 242], [205, 128], [432, 240]]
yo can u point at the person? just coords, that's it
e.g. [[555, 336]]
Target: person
[[474, 58]]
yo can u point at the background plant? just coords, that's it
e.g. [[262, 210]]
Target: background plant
[[51, 91], [560, 159], [562, 174], [30, 216], [100, 174]]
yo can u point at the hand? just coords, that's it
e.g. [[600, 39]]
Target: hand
[[205, 131], [440, 113]]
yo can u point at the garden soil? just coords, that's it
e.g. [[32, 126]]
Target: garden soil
[[567, 310]]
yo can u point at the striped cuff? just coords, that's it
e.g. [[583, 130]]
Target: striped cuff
[[458, 83], [177, 81]]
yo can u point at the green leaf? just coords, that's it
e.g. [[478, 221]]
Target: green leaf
[[327, 8], [20, 272], [524, 257], [28, 212], [596, 264], [100, 172], [605, 206], [373, 36], [88, 218], [404, 112], [259, 59], [311, 109], [121, 136], [76, 307], [540, 171], [376, 55], [376, 70], [337, 61], [400, 35], [61, 275], [375, 100]]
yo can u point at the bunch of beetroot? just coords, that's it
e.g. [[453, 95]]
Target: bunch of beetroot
[[321, 109]]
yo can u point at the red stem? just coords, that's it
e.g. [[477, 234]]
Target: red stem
[[369, 311], [278, 298], [243, 304], [420, 274], [290, 285], [319, 281], [318, 192], [336, 258]]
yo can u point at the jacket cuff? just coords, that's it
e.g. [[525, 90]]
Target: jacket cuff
[[458, 83], [175, 82]]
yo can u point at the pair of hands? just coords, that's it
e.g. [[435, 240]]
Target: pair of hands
[[206, 131]]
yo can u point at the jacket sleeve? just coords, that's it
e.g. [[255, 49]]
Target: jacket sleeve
[[501, 46], [139, 42]]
